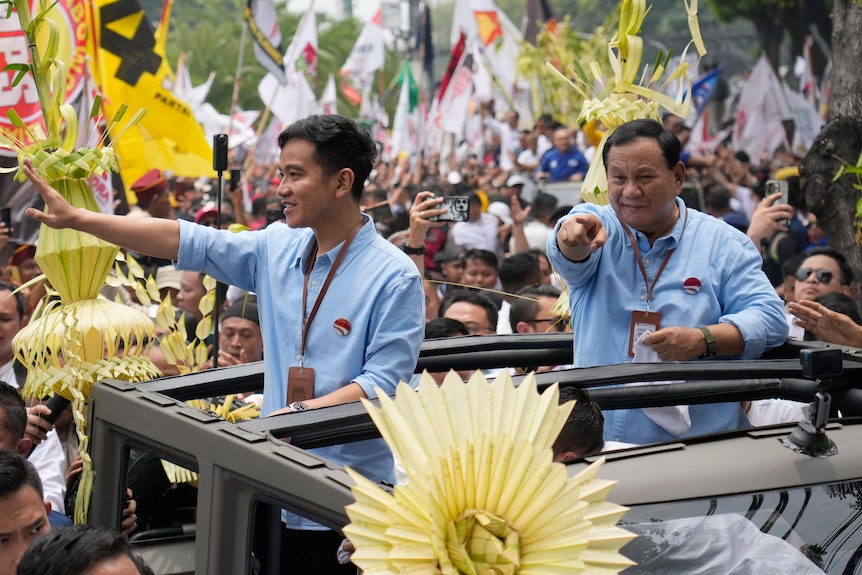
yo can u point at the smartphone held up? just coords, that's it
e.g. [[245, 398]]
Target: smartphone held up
[[779, 187], [457, 209]]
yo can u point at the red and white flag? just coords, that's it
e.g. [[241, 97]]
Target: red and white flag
[[496, 36], [455, 104]]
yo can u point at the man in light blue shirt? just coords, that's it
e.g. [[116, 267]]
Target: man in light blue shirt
[[647, 263], [366, 332]]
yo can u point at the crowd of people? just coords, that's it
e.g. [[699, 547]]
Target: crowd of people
[[345, 267]]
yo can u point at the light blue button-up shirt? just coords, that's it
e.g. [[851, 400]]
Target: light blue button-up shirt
[[605, 289], [377, 289]]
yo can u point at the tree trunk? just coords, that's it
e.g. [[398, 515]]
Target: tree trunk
[[834, 203], [846, 53]]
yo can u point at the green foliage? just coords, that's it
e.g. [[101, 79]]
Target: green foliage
[[562, 49], [854, 171]]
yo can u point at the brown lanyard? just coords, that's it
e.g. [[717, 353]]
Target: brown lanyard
[[639, 259], [325, 287]]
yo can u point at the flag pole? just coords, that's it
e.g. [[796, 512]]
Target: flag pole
[[264, 118], [237, 75]]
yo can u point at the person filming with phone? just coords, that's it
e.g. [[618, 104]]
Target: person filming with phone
[[651, 280]]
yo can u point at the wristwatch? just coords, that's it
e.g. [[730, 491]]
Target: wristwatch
[[297, 406], [710, 342], [413, 251]]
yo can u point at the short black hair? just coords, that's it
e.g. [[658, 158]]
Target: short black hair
[[847, 275], [19, 297], [339, 143], [719, 199], [791, 264], [16, 472], [583, 430], [544, 205], [489, 258], [517, 270], [444, 327], [71, 550], [645, 128], [474, 297], [14, 415], [523, 307]]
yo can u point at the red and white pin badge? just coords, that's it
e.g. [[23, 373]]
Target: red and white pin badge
[[691, 286], [341, 326]]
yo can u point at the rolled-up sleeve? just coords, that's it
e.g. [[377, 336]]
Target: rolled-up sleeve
[[394, 346], [751, 303]]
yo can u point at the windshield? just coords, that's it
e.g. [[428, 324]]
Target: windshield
[[803, 530]]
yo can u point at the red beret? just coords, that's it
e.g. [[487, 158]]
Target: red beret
[[22, 254], [206, 210], [150, 184]]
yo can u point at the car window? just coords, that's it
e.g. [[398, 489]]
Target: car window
[[806, 530]]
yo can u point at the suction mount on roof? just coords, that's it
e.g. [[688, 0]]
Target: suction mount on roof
[[809, 437]]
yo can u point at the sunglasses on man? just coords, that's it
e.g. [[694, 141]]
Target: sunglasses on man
[[823, 276], [557, 324]]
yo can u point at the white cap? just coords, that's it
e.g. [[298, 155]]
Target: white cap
[[516, 180], [502, 211]]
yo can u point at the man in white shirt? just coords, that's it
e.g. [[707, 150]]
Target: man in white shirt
[[480, 229]]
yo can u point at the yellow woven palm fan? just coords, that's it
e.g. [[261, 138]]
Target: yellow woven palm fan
[[483, 493]]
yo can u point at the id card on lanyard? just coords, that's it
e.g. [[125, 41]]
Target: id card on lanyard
[[647, 320], [300, 378]]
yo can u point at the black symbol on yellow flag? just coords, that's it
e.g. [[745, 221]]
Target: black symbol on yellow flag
[[135, 53]]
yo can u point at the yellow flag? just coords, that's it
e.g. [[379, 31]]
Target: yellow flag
[[131, 68]]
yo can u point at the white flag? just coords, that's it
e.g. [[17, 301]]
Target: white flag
[[806, 120], [295, 99], [329, 98], [182, 79], [183, 89], [198, 94], [266, 151], [368, 54], [455, 105], [763, 108], [291, 102], [301, 55]]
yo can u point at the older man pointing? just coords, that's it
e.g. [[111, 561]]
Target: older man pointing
[[649, 276]]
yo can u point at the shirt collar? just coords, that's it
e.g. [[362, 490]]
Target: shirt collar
[[363, 237], [671, 239]]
